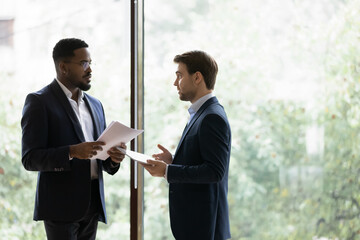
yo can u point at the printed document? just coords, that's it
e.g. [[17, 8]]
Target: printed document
[[136, 156], [113, 135]]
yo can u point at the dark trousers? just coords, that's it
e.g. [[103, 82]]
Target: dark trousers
[[85, 228]]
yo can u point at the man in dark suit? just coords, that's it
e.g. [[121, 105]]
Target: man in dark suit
[[59, 125], [198, 172]]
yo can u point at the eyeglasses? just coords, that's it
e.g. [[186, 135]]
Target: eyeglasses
[[84, 64]]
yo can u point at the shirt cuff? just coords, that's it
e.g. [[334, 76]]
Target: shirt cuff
[[166, 171]]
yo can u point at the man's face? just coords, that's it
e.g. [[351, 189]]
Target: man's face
[[79, 70], [185, 83]]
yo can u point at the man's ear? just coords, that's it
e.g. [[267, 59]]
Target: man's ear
[[62, 67], [198, 78]]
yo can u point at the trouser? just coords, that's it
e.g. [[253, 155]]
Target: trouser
[[85, 228]]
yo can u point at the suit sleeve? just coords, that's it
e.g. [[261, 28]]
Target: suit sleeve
[[214, 150], [110, 167], [36, 155]]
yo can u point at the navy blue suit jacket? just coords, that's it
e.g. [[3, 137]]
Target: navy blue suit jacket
[[49, 126], [198, 177]]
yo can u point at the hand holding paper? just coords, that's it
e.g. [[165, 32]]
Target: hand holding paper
[[85, 150], [115, 134], [116, 155], [155, 167]]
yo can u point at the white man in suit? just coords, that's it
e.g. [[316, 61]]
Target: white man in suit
[[198, 171], [59, 125]]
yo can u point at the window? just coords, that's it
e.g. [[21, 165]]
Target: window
[[39, 25], [288, 80]]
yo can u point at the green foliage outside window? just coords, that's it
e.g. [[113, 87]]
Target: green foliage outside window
[[294, 171]]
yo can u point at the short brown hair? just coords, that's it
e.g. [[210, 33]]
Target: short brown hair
[[199, 61]]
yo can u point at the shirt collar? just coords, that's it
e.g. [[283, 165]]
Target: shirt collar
[[197, 105], [68, 93]]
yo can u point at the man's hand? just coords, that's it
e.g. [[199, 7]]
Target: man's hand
[[115, 154], [155, 168], [85, 150], [164, 156]]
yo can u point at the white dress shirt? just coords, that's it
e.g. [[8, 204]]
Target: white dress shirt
[[82, 113], [197, 105]]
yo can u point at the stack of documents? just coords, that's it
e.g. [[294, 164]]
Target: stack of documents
[[114, 135]]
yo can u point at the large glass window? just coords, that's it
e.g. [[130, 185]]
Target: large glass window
[[29, 29], [289, 81]]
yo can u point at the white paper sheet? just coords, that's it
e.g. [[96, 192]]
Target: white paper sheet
[[136, 156], [113, 135]]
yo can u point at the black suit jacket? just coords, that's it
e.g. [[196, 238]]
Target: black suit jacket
[[49, 126], [198, 177]]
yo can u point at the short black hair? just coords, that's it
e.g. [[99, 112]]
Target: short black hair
[[65, 48], [200, 61]]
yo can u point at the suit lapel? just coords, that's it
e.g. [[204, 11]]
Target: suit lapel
[[60, 95], [193, 120]]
